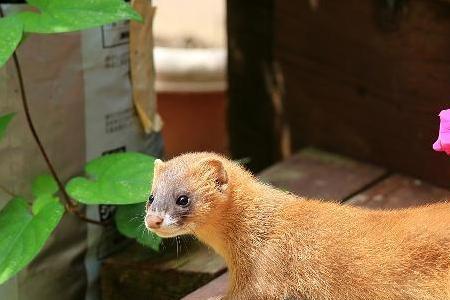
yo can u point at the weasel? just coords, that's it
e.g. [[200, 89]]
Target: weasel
[[281, 246]]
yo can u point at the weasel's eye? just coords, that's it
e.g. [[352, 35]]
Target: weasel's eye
[[150, 201], [183, 200]]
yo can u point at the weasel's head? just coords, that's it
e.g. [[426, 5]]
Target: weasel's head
[[186, 190]]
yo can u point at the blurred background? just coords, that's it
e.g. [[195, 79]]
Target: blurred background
[[190, 62], [361, 82]]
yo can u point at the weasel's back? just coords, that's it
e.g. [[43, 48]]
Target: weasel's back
[[382, 253]]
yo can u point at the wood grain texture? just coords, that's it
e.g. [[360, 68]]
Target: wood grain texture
[[317, 174], [137, 274], [215, 288], [399, 191], [367, 81], [250, 54]]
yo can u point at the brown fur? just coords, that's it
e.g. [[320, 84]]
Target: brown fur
[[280, 246]]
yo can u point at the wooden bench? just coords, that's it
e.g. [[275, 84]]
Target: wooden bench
[[316, 174]]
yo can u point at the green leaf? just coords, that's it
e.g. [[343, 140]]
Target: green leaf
[[23, 234], [121, 178], [69, 15], [130, 222], [44, 185], [5, 119], [11, 30], [43, 188], [41, 202]]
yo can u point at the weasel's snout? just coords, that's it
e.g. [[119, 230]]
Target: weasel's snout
[[163, 224], [153, 222]]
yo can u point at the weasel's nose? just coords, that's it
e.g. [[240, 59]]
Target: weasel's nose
[[154, 222]]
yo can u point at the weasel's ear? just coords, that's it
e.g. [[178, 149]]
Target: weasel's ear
[[158, 164], [218, 172]]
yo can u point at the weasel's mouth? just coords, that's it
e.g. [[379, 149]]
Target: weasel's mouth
[[165, 225], [169, 232]]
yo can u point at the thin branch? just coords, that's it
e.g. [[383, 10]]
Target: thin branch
[[70, 204]]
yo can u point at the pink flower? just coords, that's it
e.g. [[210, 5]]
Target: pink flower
[[443, 142]]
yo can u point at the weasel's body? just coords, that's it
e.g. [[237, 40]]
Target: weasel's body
[[279, 246]]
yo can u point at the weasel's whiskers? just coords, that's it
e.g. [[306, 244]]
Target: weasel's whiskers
[[176, 242]]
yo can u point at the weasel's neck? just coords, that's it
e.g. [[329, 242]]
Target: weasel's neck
[[234, 231]]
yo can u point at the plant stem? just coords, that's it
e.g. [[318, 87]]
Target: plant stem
[[69, 201], [71, 206]]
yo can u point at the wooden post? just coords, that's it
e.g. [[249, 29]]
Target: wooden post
[[250, 56]]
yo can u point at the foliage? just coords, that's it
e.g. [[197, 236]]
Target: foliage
[[54, 16], [129, 221], [120, 178], [11, 31], [25, 229], [68, 15], [114, 179]]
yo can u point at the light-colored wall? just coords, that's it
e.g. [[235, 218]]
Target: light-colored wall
[[203, 21]]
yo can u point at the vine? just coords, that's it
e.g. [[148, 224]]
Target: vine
[[120, 179]]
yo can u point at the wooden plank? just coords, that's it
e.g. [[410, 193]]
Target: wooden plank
[[368, 81], [215, 288], [399, 192], [138, 274], [250, 110], [317, 174]]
